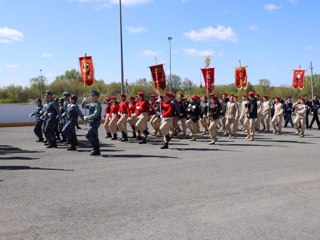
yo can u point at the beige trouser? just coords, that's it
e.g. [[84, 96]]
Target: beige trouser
[[156, 122], [142, 122], [257, 123], [151, 122], [205, 123], [132, 120], [223, 122], [299, 124], [230, 126], [183, 125], [165, 126], [174, 126], [113, 123], [122, 123], [213, 128], [193, 127], [106, 123], [249, 124], [265, 120], [235, 126], [242, 118], [277, 120]]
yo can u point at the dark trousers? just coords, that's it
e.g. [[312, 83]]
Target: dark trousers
[[38, 129], [92, 135], [69, 132], [307, 120], [315, 118], [288, 118], [49, 131]]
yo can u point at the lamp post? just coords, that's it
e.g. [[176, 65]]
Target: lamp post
[[169, 39], [121, 48]]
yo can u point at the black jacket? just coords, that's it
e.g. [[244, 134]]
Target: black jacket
[[252, 108]]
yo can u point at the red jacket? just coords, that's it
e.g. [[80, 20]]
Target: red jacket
[[106, 110], [114, 109], [144, 106], [132, 107], [124, 108], [166, 109]]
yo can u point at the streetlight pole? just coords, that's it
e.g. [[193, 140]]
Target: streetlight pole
[[311, 67], [169, 39], [121, 47]]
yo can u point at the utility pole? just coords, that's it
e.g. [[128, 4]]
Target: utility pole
[[121, 49], [311, 67], [170, 79]]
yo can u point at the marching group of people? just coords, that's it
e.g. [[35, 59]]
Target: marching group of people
[[169, 116]]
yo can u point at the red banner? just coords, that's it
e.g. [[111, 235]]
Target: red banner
[[159, 77], [241, 77], [208, 75], [298, 79], [87, 70]]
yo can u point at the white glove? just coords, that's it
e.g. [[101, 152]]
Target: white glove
[[85, 118], [30, 115]]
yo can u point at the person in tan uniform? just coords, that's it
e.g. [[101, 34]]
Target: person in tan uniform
[[236, 123], [259, 113], [114, 118], [232, 111], [134, 116], [244, 110], [278, 115], [155, 120], [265, 120], [214, 115], [166, 118], [300, 119]]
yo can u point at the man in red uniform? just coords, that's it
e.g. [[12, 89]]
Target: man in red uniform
[[166, 119], [134, 115], [114, 117], [144, 107], [106, 117], [124, 113]]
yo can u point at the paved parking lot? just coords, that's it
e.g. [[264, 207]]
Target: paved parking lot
[[267, 189]]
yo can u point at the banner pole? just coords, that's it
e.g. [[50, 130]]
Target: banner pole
[[311, 67]]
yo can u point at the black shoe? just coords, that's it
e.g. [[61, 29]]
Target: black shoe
[[144, 141], [40, 140], [52, 145], [79, 127], [72, 148], [139, 137], [109, 135], [95, 153], [115, 137], [46, 143], [165, 146], [134, 135], [63, 140]]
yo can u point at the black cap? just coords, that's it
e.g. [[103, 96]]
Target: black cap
[[49, 94], [95, 93], [66, 94], [74, 97]]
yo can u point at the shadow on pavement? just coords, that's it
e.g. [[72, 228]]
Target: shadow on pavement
[[136, 156], [18, 158], [8, 149], [102, 150], [32, 168]]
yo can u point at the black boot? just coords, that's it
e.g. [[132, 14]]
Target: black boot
[[139, 136], [109, 135], [95, 152], [52, 145], [144, 140], [165, 146], [40, 140], [114, 137], [63, 139], [72, 147], [124, 137]]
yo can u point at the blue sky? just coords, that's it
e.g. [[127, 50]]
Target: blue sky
[[270, 37]]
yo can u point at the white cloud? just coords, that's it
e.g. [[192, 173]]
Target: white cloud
[[310, 49], [47, 55], [254, 27], [271, 8], [195, 52], [9, 35], [210, 33], [294, 2], [136, 29], [130, 3], [14, 66], [148, 53]]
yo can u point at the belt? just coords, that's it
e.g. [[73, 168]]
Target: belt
[[124, 113]]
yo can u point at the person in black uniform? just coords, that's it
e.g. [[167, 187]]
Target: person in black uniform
[[193, 115], [37, 113], [287, 112], [72, 118], [251, 117], [51, 115], [94, 119], [214, 115], [309, 106], [315, 105]]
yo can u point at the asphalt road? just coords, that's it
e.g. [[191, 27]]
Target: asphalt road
[[267, 189]]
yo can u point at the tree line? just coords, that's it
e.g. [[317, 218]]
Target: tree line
[[71, 81]]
